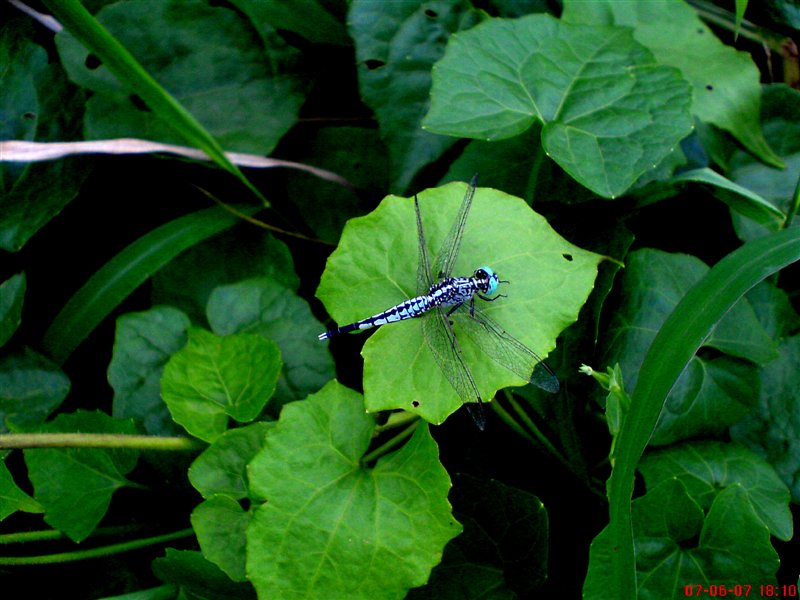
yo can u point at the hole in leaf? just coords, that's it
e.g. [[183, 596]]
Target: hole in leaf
[[139, 103], [415, 403], [430, 13], [567, 256], [29, 116], [709, 87], [92, 62], [374, 63]]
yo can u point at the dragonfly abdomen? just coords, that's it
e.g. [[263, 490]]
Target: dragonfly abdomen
[[409, 309]]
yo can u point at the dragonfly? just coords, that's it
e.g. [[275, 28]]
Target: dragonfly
[[442, 300]]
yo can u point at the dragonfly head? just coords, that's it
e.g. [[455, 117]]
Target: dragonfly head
[[487, 279]]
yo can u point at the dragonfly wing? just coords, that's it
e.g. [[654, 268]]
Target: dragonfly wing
[[446, 259], [424, 275], [442, 341], [506, 350]]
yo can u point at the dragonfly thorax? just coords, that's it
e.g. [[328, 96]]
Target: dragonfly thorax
[[454, 291]]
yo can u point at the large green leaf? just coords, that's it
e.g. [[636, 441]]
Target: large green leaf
[[740, 199], [610, 111], [780, 120], [220, 475], [268, 308], [396, 46], [708, 468], [725, 82], [12, 498], [315, 20], [356, 153], [75, 485], [213, 378], [773, 428], [375, 267], [331, 527], [31, 387], [123, 76], [233, 255], [220, 524], [37, 104], [12, 295], [198, 578], [714, 391], [143, 344], [519, 167], [209, 59], [678, 546], [222, 467], [37, 196], [774, 310], [502, 552]]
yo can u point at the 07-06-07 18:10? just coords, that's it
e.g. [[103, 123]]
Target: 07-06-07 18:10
[[743, 590]]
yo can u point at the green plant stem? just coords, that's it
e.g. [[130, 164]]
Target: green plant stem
[[511, 421], [727, 20], [384, 448], [396, 419], [63, 557], [258, 223], [533, 178], [795, 205], [22, 537], [533, 434], [533, 429], [98, 440]]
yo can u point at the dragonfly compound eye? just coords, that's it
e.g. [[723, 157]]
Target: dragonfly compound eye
[[491, 278]]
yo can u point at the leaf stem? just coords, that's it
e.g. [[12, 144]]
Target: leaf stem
[[62, 557], [258, 222], [510, 421], [537, 433], [726, 20], [533, 434], [391, 443], [21, 537], [794, 207], [533, 178], [396, 419], [98, 440]]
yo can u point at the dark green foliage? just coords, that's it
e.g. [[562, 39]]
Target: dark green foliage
[[183, 427]]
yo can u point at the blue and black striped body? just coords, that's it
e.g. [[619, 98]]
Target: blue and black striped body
[[450, 292]]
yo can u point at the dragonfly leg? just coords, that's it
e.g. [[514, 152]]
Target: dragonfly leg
[[488, 299], [457, 306]]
